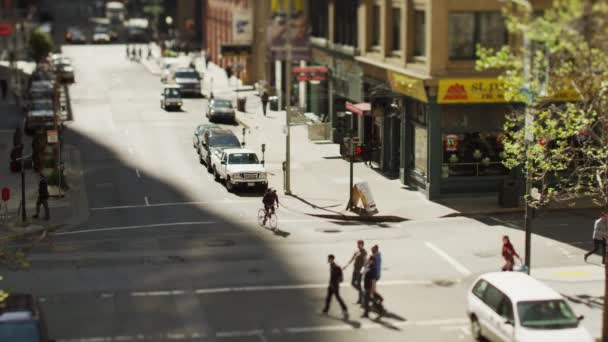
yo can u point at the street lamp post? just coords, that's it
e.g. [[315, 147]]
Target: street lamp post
[[288, 62]]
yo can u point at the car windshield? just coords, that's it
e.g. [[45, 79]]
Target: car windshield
[[224, 140], [44, 105], [172, 93], [221, 104], [19, 331], [101, 29], [546, 314], [186, 74], [243, 158]]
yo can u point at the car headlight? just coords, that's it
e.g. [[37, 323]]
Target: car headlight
[[235, 176], [262, 175], [179, 103]]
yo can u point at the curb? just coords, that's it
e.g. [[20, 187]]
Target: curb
[[364, 218]]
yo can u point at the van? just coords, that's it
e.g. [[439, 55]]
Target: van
[[512, 306]]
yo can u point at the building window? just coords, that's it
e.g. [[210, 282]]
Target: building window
[[320, 19], [467, 30], [345, 23], [396, 34], [419, 33], [376, 26]]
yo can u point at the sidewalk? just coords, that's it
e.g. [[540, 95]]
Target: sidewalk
[[69, 209]]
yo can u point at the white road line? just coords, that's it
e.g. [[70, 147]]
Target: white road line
[[157, 225], [302, 286], [168, 204], [146, 200], [137, 172], [457, 265], [158, 293]]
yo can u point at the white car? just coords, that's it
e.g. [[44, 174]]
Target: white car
[[101, 38], [239, 168], [512, 306]]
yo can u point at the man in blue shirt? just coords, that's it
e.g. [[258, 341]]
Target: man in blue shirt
[[378, 265]]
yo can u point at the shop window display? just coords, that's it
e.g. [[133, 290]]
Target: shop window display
[[473, 154]]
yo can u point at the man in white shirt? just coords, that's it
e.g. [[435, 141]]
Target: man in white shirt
[[600, 232]]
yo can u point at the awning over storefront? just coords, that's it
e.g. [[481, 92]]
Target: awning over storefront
[[359, 108]]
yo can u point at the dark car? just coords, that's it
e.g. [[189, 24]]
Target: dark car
[[214, 140], [219, 109], [189, 80], [75, 36], [21, 319], [199, 132]]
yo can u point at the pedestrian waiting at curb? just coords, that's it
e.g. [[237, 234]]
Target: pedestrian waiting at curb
[[264, 101], [359, 258], [509, 254], [43, 198], [600, 233], [335, 278]]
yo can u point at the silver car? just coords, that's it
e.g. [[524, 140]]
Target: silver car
[[221, 110]]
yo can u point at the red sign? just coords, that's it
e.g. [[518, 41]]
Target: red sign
[[6, 29], [6, 194], [311, 70], [456, 92]]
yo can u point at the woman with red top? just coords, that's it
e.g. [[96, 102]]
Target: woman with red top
[[508, 253]]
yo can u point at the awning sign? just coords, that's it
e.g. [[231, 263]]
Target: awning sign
[[407, 85]]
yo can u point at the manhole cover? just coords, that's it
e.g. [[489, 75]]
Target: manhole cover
[[443, 282], [220, 243]]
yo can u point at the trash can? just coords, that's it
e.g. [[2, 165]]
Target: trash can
[[508, 196], [240, 104], [274, 103]]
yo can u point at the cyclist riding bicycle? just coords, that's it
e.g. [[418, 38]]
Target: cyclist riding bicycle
[[270, 197]]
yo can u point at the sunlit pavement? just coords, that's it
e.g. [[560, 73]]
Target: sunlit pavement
[[169, 254]]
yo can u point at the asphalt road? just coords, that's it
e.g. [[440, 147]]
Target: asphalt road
[[168, 254]]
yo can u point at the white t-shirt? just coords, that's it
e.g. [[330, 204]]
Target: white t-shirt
[[600, 229]]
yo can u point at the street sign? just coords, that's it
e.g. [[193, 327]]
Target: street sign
[[52, 137], [6, 29]]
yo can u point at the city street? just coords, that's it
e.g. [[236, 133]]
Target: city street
[[168, 254]]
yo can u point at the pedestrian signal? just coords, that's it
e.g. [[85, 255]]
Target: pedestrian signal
[[358, 150]]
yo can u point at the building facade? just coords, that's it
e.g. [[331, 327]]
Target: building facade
[[235, 36], [425, 113]]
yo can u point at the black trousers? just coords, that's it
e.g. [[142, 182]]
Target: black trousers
[[264, 105], [356, 283], [596, 245], [45, 203], [334, 290]]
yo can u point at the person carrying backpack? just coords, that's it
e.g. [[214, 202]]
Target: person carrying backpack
[[335, 278]]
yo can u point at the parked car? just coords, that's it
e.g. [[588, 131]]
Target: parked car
[[40, 114], [218, 109], [75, 36], [21, 319], [101, 35], [512, 306], [216, 140], [239, 168], [171, 98], [188, 79], [198, 135]]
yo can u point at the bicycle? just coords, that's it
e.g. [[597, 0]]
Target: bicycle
[[271, 220]]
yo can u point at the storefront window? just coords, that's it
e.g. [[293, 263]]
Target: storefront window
[[472, 141]]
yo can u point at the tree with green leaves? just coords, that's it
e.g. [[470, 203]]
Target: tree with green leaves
[[556, 65], [40, 44]]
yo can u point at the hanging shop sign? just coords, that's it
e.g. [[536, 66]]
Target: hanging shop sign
[[486, 90], [312, 73], [407, 85], [242, 26], [298, 39]]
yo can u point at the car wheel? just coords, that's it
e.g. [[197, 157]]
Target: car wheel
[[209, 169], [476, 329], [216, 175], [229, 185]]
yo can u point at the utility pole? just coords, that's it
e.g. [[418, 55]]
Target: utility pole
[[288, 62], [529, 135]]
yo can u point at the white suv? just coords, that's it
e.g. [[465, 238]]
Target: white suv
[[512, 306]]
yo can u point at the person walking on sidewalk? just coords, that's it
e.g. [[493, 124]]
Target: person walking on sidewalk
[[600, 233], [43, 198], [377, 256], [335, 278], [264, 101], [509, 254], [368, 272], [359, 258]]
